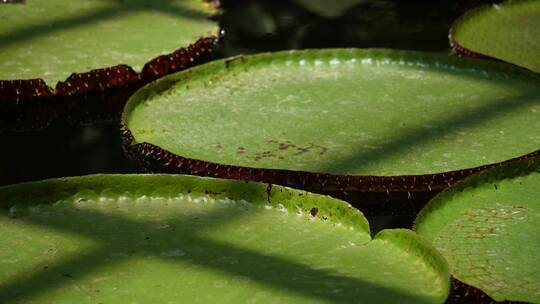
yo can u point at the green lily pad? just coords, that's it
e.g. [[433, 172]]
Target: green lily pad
[[53, 39], [337, 118], [160, 238], [80, 60], [507, 31], [487, 228]]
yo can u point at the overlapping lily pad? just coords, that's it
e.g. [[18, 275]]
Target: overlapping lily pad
[[487, 229], [349, 120], [507, 31], [57, 55], [160, 238]]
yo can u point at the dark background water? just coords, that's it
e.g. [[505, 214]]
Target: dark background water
[[250, 27]]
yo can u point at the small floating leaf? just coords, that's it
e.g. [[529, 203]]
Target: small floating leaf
[[163, 238], [507, 31], [487, 228]]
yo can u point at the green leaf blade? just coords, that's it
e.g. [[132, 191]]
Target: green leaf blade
[[345, 112], [507, 31], [162, 238], [53, 39], [486, 227]]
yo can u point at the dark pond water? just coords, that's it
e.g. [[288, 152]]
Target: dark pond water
[[250, 27]]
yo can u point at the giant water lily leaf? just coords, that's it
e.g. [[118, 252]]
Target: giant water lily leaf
[[487, 228], [160, 238], [345, 120], [53, 39], [92, 52], [507, 31]]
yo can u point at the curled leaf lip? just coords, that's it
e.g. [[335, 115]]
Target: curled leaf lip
[[462, 51], [98, 94], [407, 193], [220, 204], [32, 104], [459, 49]]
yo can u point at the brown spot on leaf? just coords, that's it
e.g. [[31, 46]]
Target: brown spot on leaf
[[285, 146], [313, 211], [302, 150]]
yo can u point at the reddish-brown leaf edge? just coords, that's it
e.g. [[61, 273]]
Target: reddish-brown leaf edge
[[461, 50], [96, 95], [373, 195]]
